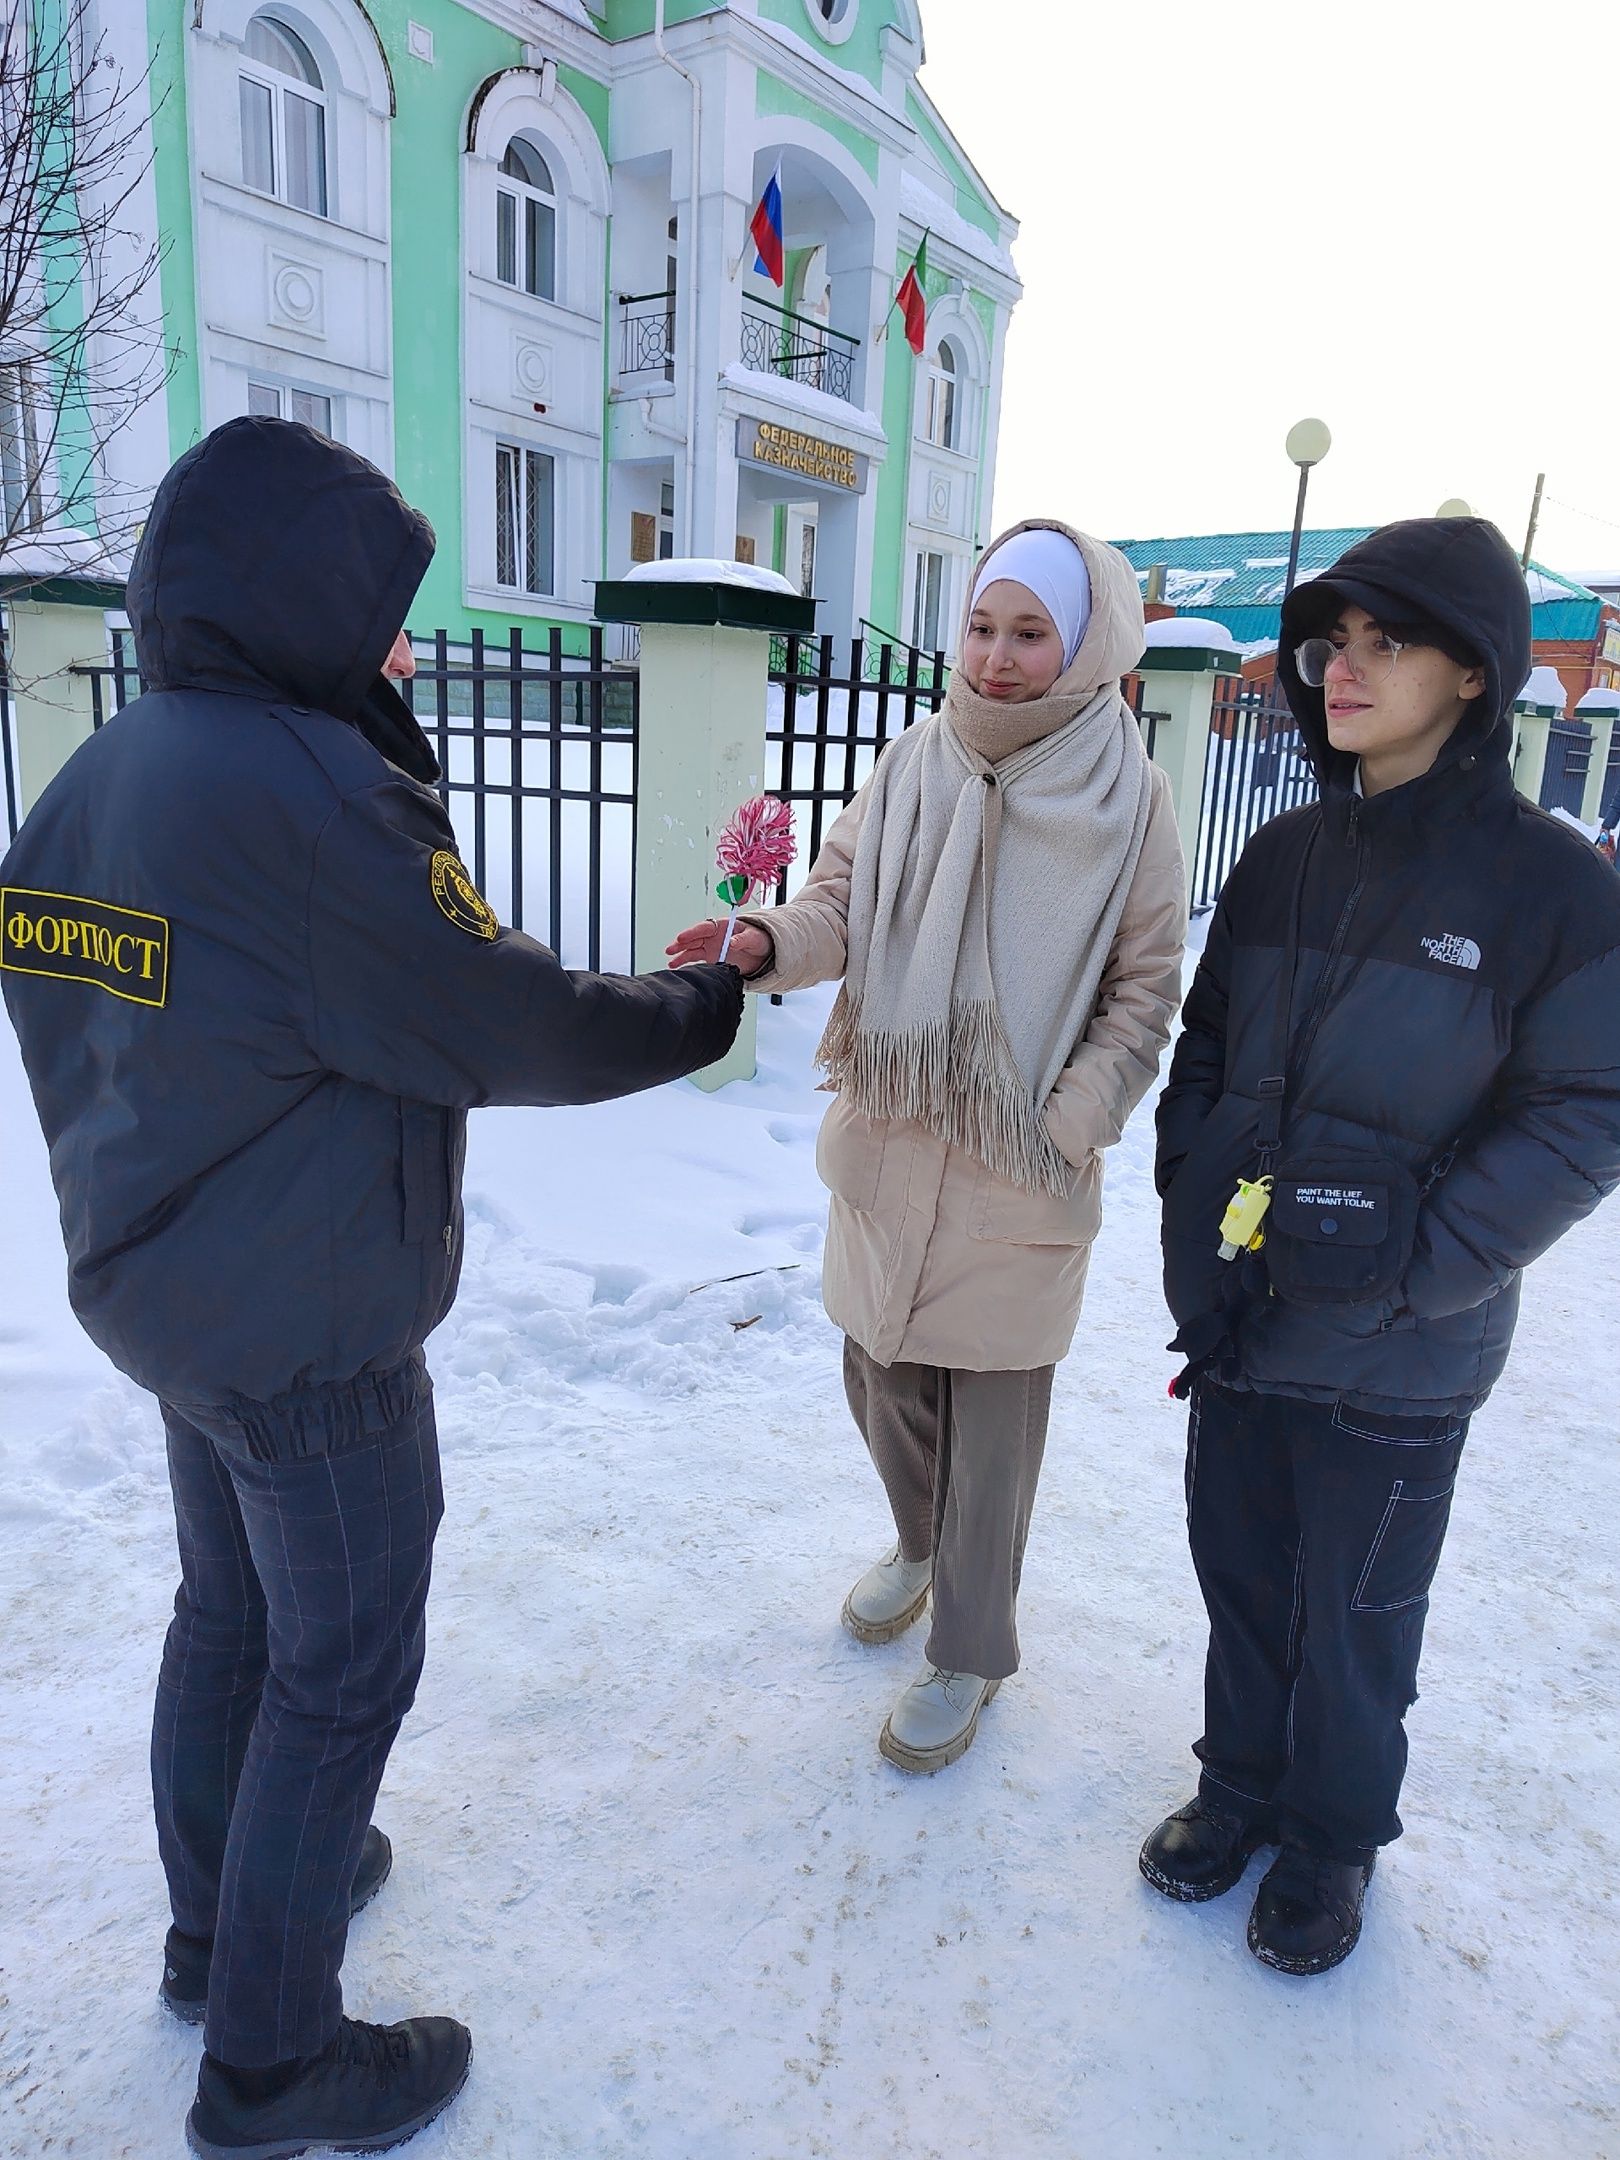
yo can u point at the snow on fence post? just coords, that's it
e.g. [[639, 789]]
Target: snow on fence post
[[1601, 709], [1184, 659], [1537, 706], [51, 705], [706, 630]]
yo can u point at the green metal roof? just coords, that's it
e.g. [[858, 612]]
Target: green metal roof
[[1237, 579]]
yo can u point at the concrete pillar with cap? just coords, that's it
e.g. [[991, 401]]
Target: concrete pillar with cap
[[706, 630]]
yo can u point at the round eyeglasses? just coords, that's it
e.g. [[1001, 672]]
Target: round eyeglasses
[[1371, 657]]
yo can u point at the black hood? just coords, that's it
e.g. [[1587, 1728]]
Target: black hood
[[1459, 572], [276, 563]]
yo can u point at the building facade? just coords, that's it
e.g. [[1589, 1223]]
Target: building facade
[[501, 247]]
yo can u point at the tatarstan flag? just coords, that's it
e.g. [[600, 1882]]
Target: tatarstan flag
[[911, 301]]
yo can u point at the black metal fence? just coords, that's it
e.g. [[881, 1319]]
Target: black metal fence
[[1569, 761], [538, 748], [827, 724], [1257, 768], [539, 752], [114, 686]]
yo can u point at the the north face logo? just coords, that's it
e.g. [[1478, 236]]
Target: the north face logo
[[1453, 951]]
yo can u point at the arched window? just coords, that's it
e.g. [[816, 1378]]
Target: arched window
[[283, 107], [526, 221], [941, 408]]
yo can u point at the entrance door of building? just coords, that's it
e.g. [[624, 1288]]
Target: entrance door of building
[[799, 563]]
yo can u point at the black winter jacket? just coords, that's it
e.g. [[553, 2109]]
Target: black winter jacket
[[255, 992], [1453, 1026]]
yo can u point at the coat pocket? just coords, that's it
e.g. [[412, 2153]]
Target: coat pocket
[[1005, 1214], [425, 1153], [1406, 1548], [849, 1155], [1341, 1227]]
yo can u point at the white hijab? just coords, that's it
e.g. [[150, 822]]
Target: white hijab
[[1049, 565]]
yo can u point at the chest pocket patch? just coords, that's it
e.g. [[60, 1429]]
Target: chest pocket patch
[[120, 950], [1341, 1227]]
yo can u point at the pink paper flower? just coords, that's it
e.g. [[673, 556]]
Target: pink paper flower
[[758, 844]]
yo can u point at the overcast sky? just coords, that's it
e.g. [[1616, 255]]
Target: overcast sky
[[1403, 219]]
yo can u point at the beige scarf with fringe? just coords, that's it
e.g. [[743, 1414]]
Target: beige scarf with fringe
[[985, 896]]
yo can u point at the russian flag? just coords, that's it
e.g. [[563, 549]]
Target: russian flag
[[766, 227]]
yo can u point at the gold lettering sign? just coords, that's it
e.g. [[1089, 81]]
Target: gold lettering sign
[[118, 949], [790, 451]]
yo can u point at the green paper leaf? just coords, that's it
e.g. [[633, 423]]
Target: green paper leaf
[[733, 890]]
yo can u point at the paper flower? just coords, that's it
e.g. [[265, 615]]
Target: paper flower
[[755, 848], [753, 851]]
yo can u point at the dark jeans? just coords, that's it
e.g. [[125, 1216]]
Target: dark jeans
[[293, 1656], [1315, 1530]]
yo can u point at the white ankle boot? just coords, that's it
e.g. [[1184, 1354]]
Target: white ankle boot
[[888, 1597], [935, 1719]]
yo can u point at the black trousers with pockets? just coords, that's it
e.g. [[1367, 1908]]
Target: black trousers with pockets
[[1315, 1530], [297, 1642]]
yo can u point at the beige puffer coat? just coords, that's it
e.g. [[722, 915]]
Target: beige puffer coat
[[932, 1259]]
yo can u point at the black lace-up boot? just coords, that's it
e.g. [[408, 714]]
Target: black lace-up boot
[[371, 2089], [1200, 1851], [1307, 1914]]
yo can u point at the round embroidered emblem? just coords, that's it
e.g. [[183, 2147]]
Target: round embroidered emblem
[[459, 898]]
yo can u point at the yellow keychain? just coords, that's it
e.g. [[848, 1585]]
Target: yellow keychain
[[1243, 1226]]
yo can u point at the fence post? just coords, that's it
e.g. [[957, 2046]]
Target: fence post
[[705, 661], [1602, 709], [1178, 682], [51, 706], [1534, 724]]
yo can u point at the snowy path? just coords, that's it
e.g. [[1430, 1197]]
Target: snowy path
[[646, 1845]]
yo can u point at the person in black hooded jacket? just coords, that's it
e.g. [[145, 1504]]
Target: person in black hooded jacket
[[1402, 1042], [257, 994]]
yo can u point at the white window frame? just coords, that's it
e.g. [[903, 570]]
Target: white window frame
[[280, 87], [835, 27], [288, 396], [529, 203], [533, 554], [943, 398], [940, 641], [22, 466]]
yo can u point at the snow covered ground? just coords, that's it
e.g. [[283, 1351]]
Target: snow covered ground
[[646, 1844]]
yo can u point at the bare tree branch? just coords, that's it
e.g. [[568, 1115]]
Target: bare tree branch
[[81, 339]]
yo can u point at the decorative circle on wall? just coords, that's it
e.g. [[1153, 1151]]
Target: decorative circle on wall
[[939, 497], [296, 295], [532, 364], [833, 20]]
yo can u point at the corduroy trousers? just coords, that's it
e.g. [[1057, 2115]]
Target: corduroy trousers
[[294, 1653], [960, 1455]]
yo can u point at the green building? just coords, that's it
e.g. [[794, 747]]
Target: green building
[[502, 248]]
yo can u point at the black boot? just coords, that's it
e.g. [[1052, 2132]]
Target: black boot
[[183, 1990], [373, 2088], [1200, 1851], [1307, 1914]]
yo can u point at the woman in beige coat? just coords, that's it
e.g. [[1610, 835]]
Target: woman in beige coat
[[1005, 903]]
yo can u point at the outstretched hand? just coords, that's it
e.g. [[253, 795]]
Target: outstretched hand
[[750, 948]]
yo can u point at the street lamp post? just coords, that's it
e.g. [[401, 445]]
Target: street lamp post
[[1308, 444]]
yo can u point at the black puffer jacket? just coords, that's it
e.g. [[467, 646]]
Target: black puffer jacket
[[1453, 1028], [255, 991]]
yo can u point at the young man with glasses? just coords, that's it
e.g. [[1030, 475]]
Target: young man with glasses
[[1397, 1085]]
